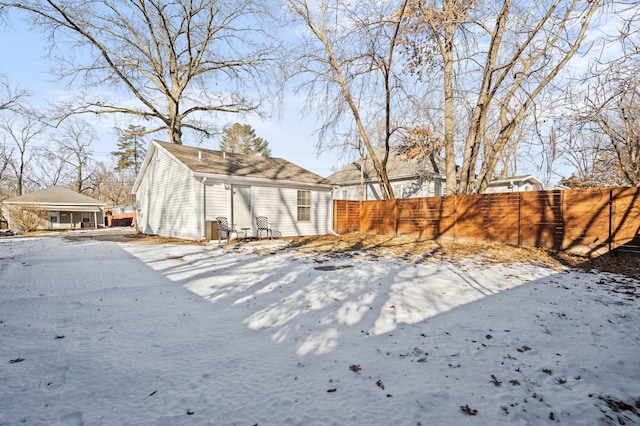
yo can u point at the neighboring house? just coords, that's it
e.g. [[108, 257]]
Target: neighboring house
[[559, 187], [121, 215], [515, 184], [180, 191], [62, 208], [409, 177]]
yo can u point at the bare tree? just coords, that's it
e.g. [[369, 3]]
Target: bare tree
[[178, 59], [593, 162], [350, 56], [6, 181], [21, 133], [618, 119], [509, 55], [74, 148], [609, 113], [540, 47], [10, 96], [12, 101], [546, 149], [49, 168], [430, 31], [113, 185]]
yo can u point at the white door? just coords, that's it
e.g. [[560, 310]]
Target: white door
[[54, 222], [241, 207]]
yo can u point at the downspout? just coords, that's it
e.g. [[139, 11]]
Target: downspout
[[362, 187], [202, 223], [331, 215]]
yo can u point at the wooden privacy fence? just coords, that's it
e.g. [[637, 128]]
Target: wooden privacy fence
[[590, 221]]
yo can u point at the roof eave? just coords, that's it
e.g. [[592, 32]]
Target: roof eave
[[143, 168], [391, 179], [53, 203], [231, 179], [59, 206]]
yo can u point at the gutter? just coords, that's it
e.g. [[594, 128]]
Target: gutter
[[202, 207], [394, 178], [331, 230], [62, 207], [243, 180]]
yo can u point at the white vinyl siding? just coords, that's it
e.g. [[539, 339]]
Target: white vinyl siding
[[280, 206], [411, 188], [217, 199], [168, 199], [172, 201]]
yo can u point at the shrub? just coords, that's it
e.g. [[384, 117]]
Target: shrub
[[26, 218]]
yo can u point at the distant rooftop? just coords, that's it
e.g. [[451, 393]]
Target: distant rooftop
[[398, 166], [56, 194]]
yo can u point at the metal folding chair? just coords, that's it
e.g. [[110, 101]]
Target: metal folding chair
[[223, 223], [263, 226]]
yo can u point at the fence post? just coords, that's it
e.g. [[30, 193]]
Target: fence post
[[455, 216], [395, 214], [519, 219], [611, 217], [563, 210]]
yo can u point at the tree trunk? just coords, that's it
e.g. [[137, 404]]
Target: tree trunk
[[449, 139], [477, 126]]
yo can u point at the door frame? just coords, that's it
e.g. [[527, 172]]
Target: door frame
[[241, 204], [52, 224]]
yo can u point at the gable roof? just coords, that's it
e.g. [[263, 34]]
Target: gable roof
[[212, 162], [398, 167], [55, 195]]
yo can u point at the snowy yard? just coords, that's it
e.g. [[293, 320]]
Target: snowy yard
[[106, 333]]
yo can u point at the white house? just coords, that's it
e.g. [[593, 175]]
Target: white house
[[409, 177], [515, 184], [180, 189], [413, 177]]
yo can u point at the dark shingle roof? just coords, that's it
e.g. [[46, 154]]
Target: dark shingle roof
[[55, 195], [398, 166], [208, 161]]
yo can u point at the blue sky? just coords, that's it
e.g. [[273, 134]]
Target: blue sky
[[23, 61]]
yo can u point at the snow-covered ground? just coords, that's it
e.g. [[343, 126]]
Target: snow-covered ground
[[105, 333]]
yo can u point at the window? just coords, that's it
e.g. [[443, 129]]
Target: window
[[397, 190], [304, 206], [345, 195], [86, 216]]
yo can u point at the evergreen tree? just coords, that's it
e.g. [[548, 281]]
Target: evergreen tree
[[242, 139], [131, 150]]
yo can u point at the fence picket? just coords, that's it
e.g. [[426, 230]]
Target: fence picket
[[589, 221]]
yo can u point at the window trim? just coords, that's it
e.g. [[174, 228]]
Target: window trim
[[302, 206]]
